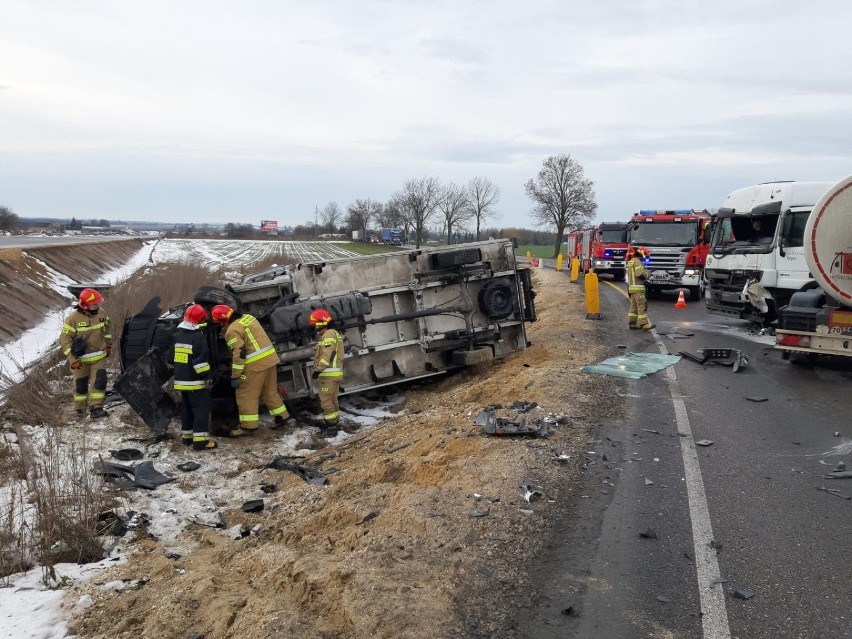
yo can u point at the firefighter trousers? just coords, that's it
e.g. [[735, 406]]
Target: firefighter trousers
[[328, 389], [259, 385], [638, 313], [195, 415], [94, 375]]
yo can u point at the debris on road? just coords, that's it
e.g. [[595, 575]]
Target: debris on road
[[529, 492], [308, 474], [648, 534], [704, 442], [650, 430], [523, 407], [632, 365], [743, 594], [188, 466], [663, 599], [715, 545], [834, 491], [756, 399], [648, 482], [143, 475], [837, 474], [493, 425], [253, 506], [718, 580], [127, 454], [368, 517], [477, 513], [732, 357]]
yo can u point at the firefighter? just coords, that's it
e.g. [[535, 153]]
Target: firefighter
[[86, 342], [637, 316], [190, 358], [328, 367], [253, 368]]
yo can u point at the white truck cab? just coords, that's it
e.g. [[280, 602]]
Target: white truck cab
[[757, 258]]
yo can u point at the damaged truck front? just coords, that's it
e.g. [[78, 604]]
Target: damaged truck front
[[404, 315]]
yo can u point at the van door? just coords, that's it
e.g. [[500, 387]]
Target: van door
[[792, 269]]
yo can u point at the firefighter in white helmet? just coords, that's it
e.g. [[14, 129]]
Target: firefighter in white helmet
[[86, 342]]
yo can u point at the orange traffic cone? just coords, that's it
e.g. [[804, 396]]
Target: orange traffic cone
[[681, 301]]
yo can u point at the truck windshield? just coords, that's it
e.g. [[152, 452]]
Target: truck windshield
[[665, 234], [612, 237], [745, 232]]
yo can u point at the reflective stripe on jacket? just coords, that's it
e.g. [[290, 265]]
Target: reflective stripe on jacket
[[93, 330], [190, 357], [251, 348], [328, 359], [635, 276]]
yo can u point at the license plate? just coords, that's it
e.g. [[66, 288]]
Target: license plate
[[840, 322], [659, 275]]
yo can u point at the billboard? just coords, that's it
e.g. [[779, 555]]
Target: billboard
[[270, 227]]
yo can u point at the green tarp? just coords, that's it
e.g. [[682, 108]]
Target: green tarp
[[632, 365]]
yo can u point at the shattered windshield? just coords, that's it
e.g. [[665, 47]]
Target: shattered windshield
[[744, 231], [665, 234], [614, 236]]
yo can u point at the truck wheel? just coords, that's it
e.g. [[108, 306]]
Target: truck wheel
[[481, 355], [802, 359], [496, 299], [618, 276], [211, 296], [651, 293], [696, 293]]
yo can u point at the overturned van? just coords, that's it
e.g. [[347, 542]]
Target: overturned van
[[404, 315]]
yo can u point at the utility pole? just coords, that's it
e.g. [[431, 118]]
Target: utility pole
[[316, 221]]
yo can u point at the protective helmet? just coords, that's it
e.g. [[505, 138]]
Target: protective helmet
[[89, 296], [195, 314], [642, 253], [320, 318], [221, 314]]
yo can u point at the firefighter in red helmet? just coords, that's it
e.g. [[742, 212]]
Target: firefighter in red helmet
[[86, 342], [328, 367], [190, 358], [254, 368]]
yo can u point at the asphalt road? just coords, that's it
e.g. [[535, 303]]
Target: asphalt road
[[28, 241], [753, 493]]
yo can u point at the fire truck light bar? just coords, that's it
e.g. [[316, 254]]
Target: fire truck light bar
[[657, 212]]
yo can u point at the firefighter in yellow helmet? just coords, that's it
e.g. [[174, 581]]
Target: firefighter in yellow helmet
[[86, 342], [254, 372], [637, 316], [328, 367]]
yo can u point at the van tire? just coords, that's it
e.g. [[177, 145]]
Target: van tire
[[212, 296]]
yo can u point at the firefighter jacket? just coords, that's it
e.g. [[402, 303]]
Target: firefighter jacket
[[636, 275], [86, 337], [251, 348], [328, 360], [190, 357]]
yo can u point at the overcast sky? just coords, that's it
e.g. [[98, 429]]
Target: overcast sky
[[240, 111]]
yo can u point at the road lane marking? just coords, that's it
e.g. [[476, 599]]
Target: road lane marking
[[715, 614], [616, 288]]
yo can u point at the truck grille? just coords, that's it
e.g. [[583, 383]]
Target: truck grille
[[669, 261]]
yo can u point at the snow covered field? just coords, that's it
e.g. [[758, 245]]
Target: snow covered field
[[239, 253]]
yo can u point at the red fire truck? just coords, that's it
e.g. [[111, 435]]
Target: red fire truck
[[678, 243], [602, 248]]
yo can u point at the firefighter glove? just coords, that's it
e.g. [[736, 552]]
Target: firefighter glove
[[76, 365], [235, 382], [109, 351], [315, 374], [208, 384]]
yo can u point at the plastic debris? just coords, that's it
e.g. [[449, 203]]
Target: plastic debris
[[648, 482], [368, 517], [840, 474], [715, 545], [743, 594], [523, 407], [268, 488], [253, 506], [477, 513], [648, 534], [485, 571], [188, 466], [835, 492], [718, 580], [569, 611], [663, 599], [143, 475], [757, 399], [704, 442], [528, 492], [632, 365], [308, 474], [732, 357], [127, 454]]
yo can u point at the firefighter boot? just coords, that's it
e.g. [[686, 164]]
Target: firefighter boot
[[96, 412], [204, 444], [186, 437], [288, 424], [648, 326]]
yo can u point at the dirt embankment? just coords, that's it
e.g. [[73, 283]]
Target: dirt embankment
[[397, 545], [25, 278]]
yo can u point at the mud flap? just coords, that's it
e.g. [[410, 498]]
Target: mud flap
[[141, 386]]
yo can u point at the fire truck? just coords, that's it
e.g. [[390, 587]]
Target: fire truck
[[604, 249], [678, 242]]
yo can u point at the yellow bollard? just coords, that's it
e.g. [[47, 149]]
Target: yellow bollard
[[559, 262], [529, 257], [593, 298], [575, 269]]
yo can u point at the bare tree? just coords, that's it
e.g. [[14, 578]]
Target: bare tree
[[331, 216], [8, 220], [563, 198], [483, 196], [454, 205], [418, 199], [360, 213]]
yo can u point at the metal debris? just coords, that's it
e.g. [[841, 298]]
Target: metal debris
[[704, 442], [308, 474], [253, 506], [523, 407], [743, 594], [650, 430], [528, 492], [835, 492], [757, 399], [648, 482], [493, 425], [846, 474], [718, 580], [732, 357]]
